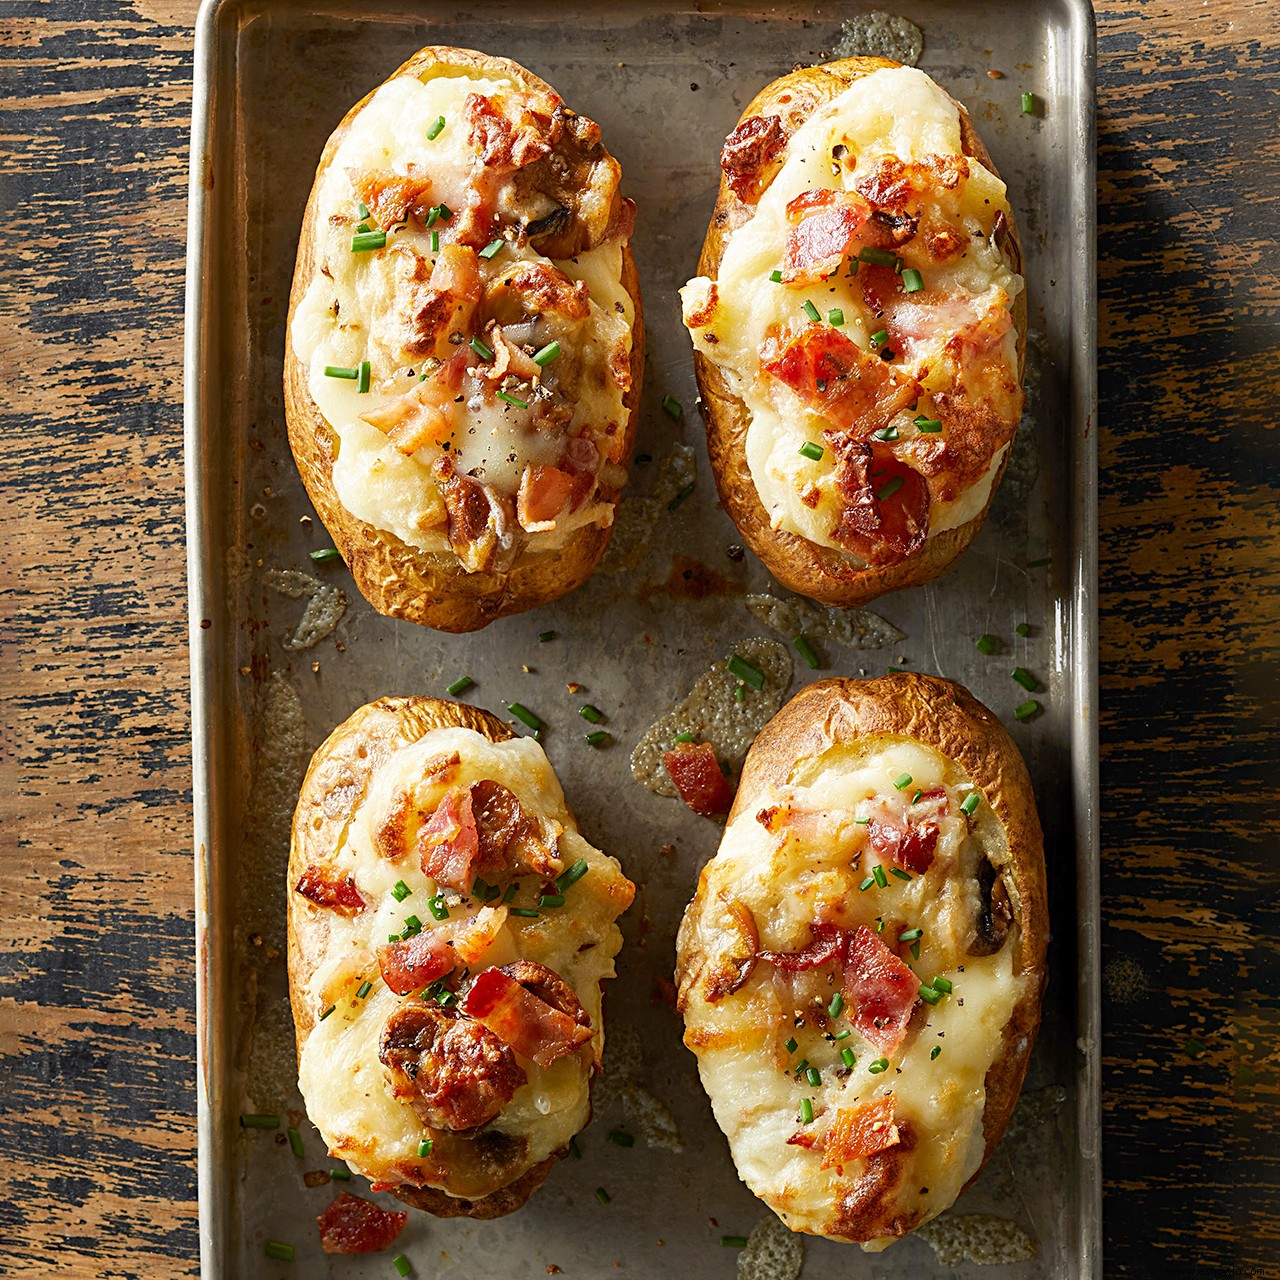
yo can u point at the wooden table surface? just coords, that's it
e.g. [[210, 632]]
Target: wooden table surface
[[97, 1098]]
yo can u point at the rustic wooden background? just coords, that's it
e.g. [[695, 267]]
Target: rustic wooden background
[[97, 1131]]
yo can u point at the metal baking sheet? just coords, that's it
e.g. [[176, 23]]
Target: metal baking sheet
[[282, 650]]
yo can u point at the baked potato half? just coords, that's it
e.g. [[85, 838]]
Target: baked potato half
[[859, 329], [449, 934], [465, 342], [861, 968]]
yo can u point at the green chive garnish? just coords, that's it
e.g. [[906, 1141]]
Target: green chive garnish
[[835, 317], [282, 1252], [970, 803], [846, 1056], [806, 652], [259, 1122], [775, 276], [902, 875], [327, 1012], [986, 644], [597, 737], [365, 379], [401, 1264], [524, 715], [672, 407], [943, 985], [603, 1196], [733, 1242], [806, 1110], [902, 781], [480, 348], [878, 257], [525, 913], [295, 1142], [912, 281], [493, 248], [341, 371], [574, 1150], [437, 908], [682, 737], [928, 426], [791, 1045], [435, 242], [551, 900], [1028, 104], [895, 483], [879, 1065], [363, 241], [460, 685], [880, 337], [325, 554], [514, 400], [365, 987], [412, 925], [1024, 678], [867, 883], [929, 995], [740, 667], [340, 1175], [680, 497], [512, 889], [1022, 629], [837, 1003], [915, 951], [861, 822], [910, 935], [811, 311], [812, 1076], [424, 1147], [588, 712], [572, 876], [811, 450], [880, 878], [621, 1139], [801, 1067], [546, 355], [437, 128], [545, 636], [362, 209], [885, 433], [1026, 709], [933, 1053], [842, 1035]]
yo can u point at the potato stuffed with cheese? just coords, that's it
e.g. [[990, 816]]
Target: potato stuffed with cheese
[[861, 969], [465, 343], [449, 932], [859, 328]]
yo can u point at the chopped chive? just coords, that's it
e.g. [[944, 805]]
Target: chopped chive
[[672, 407], [325, 554], [943, 985], [365, 379], [437, 908], [915, 799], [546, 355], [277, 1249], [432, 214], [362, 209], [401, 1264], [895, 483], [842, 1035], [801, 1067], [525, 913], [912, 281], [902, 875], [493, 248], [812, 1076], [524, 715], [879, 1065], [902, 781], [481, 349], [621, 1139], [603, 1196], [986, 645], [480, 889], [910, 935], [512, 889], [597, 737], [680, 497], [915, 951], [775, 276], [412, 925], [340, 1175], [791, 1045], [846, 1056], [880, 337], [885, 433], [424, 1147], [1024, 678], [259, 1122], [460, 685], [341, 371], [588, 712], [928, 426], [574, 1150], [806, 652], [867, 883], [861, 822], [835, 317], [1039, 564], [836, 1005], [1026, 709], [365, 987], [435, 242], [877, 257], [933, 1053], [444, 211], [551, 900], [733, 1242], [437, 128], [682, 737], [363, 227], [363, 241], [879, 924], [811, 450], [393, 937], [1022, 629], [970, 803], [295, 1142], [880, 878], [806, 1110], [930, 995], [514, 400], [1028, 104], [327, 1012], [745, 672], [811, 311], [572, 876], [545, 636]]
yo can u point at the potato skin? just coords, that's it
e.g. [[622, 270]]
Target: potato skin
[[399, 580], [333, 789], [947, 717], [821, 573]]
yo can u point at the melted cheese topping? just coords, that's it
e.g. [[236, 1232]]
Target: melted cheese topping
[[354, 309], [898, 112], [811, 867], [342, 1081]]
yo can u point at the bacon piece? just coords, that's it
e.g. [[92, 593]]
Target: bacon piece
[[389, 196], [544, 494], [891, 184], [353, 1225], [880, 286], [827, 942], [824, 230], [449, 842], [736, 963], [696, 773], [418, 961], [880, 988], [854, 390], [530, 1025], [858, 1132], [500, 143], [411, 421], [323, 886], [507, 357], [910, 842], [751, 154], [885, 512]]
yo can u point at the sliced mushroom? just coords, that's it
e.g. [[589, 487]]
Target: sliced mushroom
[[995, 913]]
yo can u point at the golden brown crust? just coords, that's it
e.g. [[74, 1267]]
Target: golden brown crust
[[397, 579], [822, 573]]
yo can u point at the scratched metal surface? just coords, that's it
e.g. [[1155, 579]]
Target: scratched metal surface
[[666, 82]]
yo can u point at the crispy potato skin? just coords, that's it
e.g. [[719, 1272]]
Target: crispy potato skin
[[397, 579], [821, 573], [947, 717], [332, 791]]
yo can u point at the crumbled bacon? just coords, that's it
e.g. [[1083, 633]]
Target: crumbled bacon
[[449, 842], [416, 962], [751, 154], [544, 494], [826, 943], [910, 840], [884, 514], [390, 196], [527, 1023], [500, 143], [891, 184], [824, 229], [353, 1225], [412, 420], [323, 886], [696, 773], [880, 989], [858, 1132]]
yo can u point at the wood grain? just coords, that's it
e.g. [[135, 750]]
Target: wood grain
[[97, 1129]]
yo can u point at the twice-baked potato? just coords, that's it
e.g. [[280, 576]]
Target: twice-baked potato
[[859, 329], [861, 969], [465, 342], [449, 932]]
